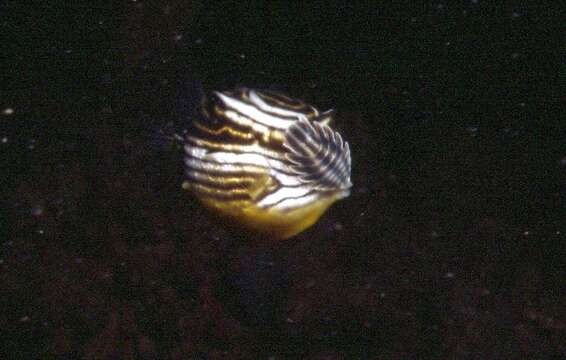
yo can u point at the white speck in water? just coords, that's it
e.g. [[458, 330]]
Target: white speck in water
[[198, 41], [68, 51], [311, 283], [266, 263], [178, 37], [474, 1], [449, 275], [514, 55], [448, 43], [41, 231], [8, 111], [1, 261], [5, 140], [473, 130], [25, 319], [515, 14], [37, 210], [526, 233], [242, 56]]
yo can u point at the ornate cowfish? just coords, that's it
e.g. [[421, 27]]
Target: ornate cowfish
[[269, 162]]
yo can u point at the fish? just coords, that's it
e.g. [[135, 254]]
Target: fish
[[265, 161]]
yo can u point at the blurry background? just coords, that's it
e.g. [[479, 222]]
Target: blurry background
[[451, 245]]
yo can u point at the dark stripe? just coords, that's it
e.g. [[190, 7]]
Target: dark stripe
[[243, 184], [270, 144], [217, 173], [227, 195], [217, 120], [223, 196], [223, 133]]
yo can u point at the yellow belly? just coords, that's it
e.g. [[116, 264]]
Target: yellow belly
[[271, 223]]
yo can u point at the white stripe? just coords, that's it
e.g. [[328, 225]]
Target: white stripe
[[250, 159], [196, 151], [258, 101], [238, 162], [237, 148], [281, 194], [254, 113], [229, 158], [227, 168], [244, 121], [296, 203], [286, 180]]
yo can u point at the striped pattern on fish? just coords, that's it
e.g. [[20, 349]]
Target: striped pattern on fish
[[261, 154]]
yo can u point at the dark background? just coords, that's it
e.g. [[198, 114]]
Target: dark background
[[452, 244]]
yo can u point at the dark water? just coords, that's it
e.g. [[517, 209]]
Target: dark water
[[452, 244]]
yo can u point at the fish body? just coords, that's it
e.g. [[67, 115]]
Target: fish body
[[266, 161]]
